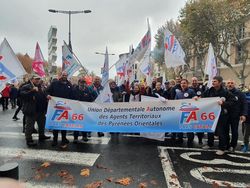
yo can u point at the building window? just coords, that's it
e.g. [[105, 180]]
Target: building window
[[199, 63], [242, 32], [240, 55]]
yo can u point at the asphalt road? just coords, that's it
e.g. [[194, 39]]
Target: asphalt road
[[142, 162]]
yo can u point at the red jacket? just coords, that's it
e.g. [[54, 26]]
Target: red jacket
[[6, 91]]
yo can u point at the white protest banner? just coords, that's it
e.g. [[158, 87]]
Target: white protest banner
[[153, 116]]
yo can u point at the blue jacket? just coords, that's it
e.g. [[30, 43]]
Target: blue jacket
[[187, 94]]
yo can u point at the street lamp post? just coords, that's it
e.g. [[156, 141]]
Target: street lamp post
[[99, 53], [69, 12]]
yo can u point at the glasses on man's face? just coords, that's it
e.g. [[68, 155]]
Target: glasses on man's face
[[230, 83]]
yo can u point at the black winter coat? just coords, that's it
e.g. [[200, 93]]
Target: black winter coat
[[61, 89], [222, 92]]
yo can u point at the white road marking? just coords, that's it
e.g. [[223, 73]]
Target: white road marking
[[196, 149], [168, 169], [169, 138], [198, 174], [77, 158], [92, 140], [45, 185], [188, 157]]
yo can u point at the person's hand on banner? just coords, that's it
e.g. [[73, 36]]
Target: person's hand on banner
[[162, 99], [221, 100], [49, 97], [196, 98]]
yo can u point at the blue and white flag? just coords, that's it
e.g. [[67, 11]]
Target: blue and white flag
[[174, 54], [105, 69], [145, 66], [70, 64], [105, 95], [210, 69], [10, 66]]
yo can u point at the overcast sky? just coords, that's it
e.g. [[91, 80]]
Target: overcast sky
[[113, 23]]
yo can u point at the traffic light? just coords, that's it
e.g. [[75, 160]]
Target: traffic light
[[52, 47]]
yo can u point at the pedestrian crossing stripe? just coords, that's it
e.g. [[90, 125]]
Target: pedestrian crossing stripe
[[92, 140], [76, 158], [31, 184]]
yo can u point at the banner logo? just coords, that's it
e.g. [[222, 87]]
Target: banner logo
[[62, 113], [188, 114], [170, 43]]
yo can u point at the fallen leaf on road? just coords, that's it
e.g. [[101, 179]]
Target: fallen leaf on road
[[96, 184], [110, 179], [85, 172], [38, 177], [124, 181], [101, 167], [39, 174], [67, 177], [45, 164], [63, 173], [143, 185]]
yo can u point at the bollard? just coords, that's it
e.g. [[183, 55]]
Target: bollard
[[9, 170]]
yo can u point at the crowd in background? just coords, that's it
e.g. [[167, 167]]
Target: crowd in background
[[32, 97]]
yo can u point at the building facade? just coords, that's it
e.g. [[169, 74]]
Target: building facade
[[234, 59]]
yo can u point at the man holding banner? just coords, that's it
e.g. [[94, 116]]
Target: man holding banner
[[82, 93], [34, 108], [227, 101], [61, 88], [185, 93]]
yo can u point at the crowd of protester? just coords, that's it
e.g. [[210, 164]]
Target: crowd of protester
[[32, 98]]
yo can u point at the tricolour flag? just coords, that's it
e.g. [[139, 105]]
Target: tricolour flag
[[120, 65], [210, 69], [38, 63], [105, 69], [70, 64], [139, 52], [142, 47], [10, 66], [174, 54]]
